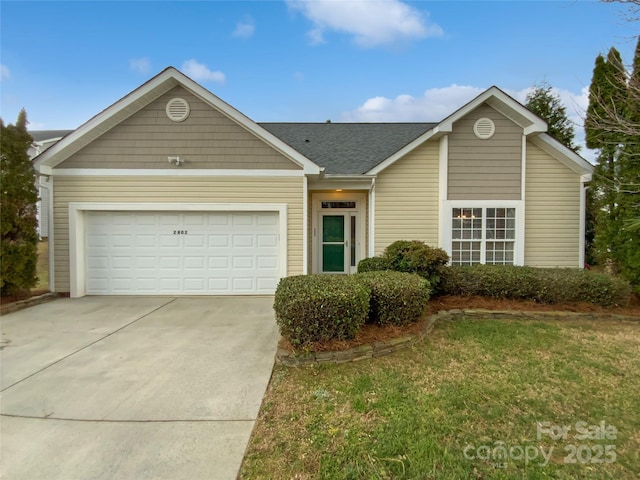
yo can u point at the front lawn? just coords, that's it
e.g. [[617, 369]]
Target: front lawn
[[567, 391]]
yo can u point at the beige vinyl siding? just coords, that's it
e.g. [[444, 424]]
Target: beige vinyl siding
[[406, 196], [485, 169], [206, 139], [552, 212], [278, 190]]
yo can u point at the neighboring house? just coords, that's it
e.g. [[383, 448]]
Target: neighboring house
[[43, 139], [172, 191]]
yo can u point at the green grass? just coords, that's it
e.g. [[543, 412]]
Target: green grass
[[470, 385]]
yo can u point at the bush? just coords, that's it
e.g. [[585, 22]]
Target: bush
[[544, 285], [396, 298], [414, 256], [317, 308], [373, 264]]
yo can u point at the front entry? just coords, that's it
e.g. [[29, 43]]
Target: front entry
[[338, 232], [339, 242]]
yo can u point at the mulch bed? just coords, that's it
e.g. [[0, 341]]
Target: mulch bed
[[372, 333]]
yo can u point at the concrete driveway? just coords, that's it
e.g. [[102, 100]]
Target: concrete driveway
[[133, 387]]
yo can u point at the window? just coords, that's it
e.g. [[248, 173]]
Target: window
[[483, 235]]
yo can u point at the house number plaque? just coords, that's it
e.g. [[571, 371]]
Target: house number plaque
[[180, 232]]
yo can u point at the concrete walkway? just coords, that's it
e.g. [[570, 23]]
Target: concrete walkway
[[132, 387]]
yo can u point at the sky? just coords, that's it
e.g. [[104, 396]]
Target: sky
[[304, 61]]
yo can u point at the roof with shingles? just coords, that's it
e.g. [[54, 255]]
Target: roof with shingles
[[41, 135], [347, 148]]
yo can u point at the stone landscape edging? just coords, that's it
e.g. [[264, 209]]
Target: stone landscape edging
[[386, 347], [27, 302]]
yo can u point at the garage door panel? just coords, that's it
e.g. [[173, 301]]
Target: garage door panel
[[242, 241], [195, 241], [181, 253], [216, 241]]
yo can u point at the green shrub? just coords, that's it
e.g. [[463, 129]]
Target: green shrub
[[397, 298], [414, 256], [316, 308], [372, 264], [544, 285]]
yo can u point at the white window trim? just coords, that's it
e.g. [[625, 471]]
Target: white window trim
[[77, 252], [449, 205]]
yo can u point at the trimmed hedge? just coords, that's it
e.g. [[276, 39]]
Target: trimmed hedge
[[544, 285], [396, 298], [316, 308], [415, 256], [372, 264]]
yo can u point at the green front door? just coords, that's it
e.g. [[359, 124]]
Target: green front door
[[334, 243]]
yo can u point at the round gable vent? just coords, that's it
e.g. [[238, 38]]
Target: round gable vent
[[178, 109], [484, 128]]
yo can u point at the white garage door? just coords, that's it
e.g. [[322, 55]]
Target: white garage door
[[192, 253]]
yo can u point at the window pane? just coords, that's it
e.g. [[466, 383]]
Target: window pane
[[333, 228], [338, 204]]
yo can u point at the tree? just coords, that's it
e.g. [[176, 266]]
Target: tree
[[612, 126], [18, 197], [548, 106]]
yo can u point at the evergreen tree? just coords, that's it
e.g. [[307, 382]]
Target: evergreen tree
[[627, 253], [18, 197], [612, 126], [548, 106]]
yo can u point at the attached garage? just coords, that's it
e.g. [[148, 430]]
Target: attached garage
[[173, 252]]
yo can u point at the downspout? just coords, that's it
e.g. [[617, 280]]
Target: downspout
[[305, 225], [372, 217], [584, 185], [45, 182]]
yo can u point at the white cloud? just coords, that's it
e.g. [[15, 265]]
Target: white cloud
[[5, 74], [244, 29], [371, 22], [140, 65], [201, 73], [434, 105]]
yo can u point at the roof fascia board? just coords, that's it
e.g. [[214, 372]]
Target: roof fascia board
[[565, 155], [308, 166], [49, 156], [171, 78], [446, 126], [433, 133]]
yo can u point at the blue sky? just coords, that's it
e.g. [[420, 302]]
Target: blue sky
[[302, 60]]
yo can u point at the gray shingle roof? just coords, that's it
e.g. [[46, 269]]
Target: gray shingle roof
[[41, 135], [347, 148]]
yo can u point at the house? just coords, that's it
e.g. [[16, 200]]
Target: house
[[172, 191], [43, 139]]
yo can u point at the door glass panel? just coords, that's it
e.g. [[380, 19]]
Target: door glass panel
[[353, 240], [333, 228], [333, 258]]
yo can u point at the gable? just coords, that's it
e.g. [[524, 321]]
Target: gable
[[480, 169], [206, 139]]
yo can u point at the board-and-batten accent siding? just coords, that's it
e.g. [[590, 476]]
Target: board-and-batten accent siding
[[407, 199], [277, 190], [206, 139], [485, 169], [552, 212]]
